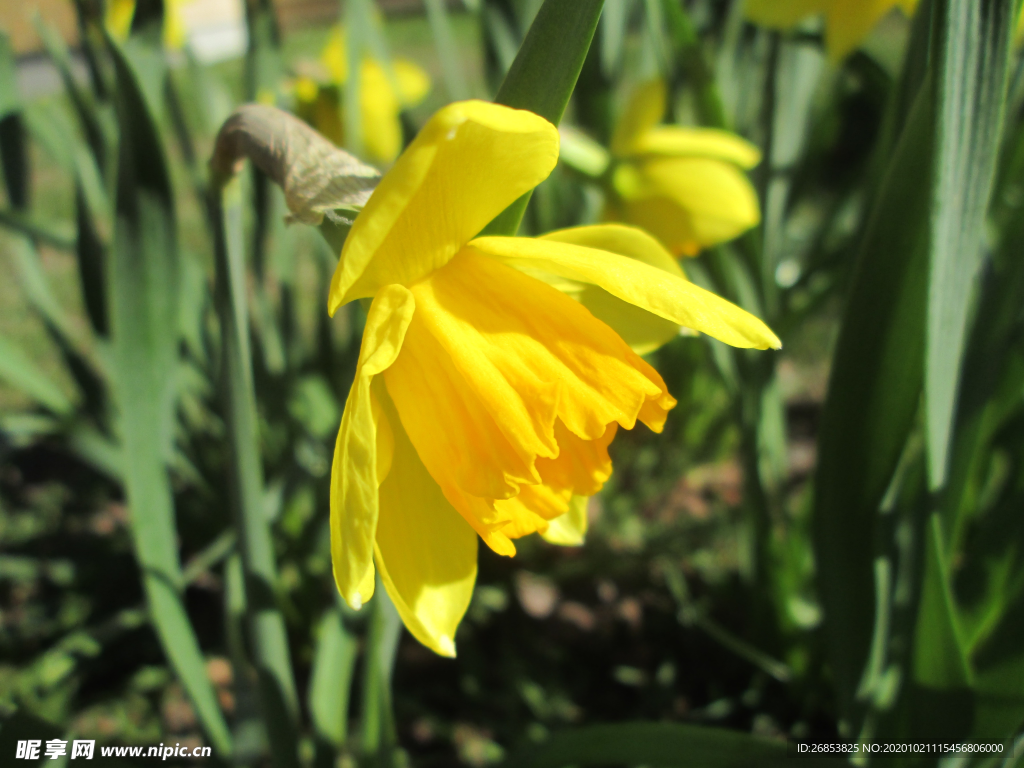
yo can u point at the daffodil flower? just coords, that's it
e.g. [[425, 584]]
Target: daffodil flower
[[484, 398], [380, 99], [686, 186], [847, 22]]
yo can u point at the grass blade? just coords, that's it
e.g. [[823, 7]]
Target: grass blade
[[544, 74], [18, 370], [143, 280], [972, 71]]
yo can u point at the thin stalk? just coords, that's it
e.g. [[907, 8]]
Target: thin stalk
[[266, 627]]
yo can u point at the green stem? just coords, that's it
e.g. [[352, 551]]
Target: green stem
[[265, 622], [544, 74]]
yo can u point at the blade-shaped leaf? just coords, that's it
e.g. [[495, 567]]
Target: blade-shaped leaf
[[972, 49], [143, 281], [873, 395], [939, 657], [18, 370], [331, 678]]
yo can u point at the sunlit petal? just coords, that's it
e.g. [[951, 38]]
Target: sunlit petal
[[570, 529], [426, 552], [363, 449], [642, 330], [688, 203], [698, 142], [468, 163], [652, 289]]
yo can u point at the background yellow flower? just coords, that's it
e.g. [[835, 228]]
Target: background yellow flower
[[847, 22], [686, 186], [381, 99]]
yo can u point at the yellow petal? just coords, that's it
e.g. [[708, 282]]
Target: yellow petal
[[643, 331], [119, 18], [782, 14], [637, 283], [426, 552], [174, 25], [491, 359], [382, 129], [625, 241], [522, 510], [687, 203], [413, 82], [468, 163], [581, 469], [644, 110], [355, 476], [570, 529], [698, 142]]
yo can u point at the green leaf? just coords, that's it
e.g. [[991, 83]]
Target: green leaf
[[447, 50], [143, 283], [379, 736], [266, 625], [18, 370], [691, 61], [940, 660], [972, 49], [331, 679], [665, 745], [96, 131], [614, 25], [544, 74], [873, 396]]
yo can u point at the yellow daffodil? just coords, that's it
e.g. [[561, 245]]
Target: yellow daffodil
[[120, 13], [485, 398], [847, 22], [686, 186], [380, 99]]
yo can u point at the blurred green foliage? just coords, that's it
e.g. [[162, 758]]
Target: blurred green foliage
[[822, 544]]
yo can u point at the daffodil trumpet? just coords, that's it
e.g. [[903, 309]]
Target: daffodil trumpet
[[486, 391]]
